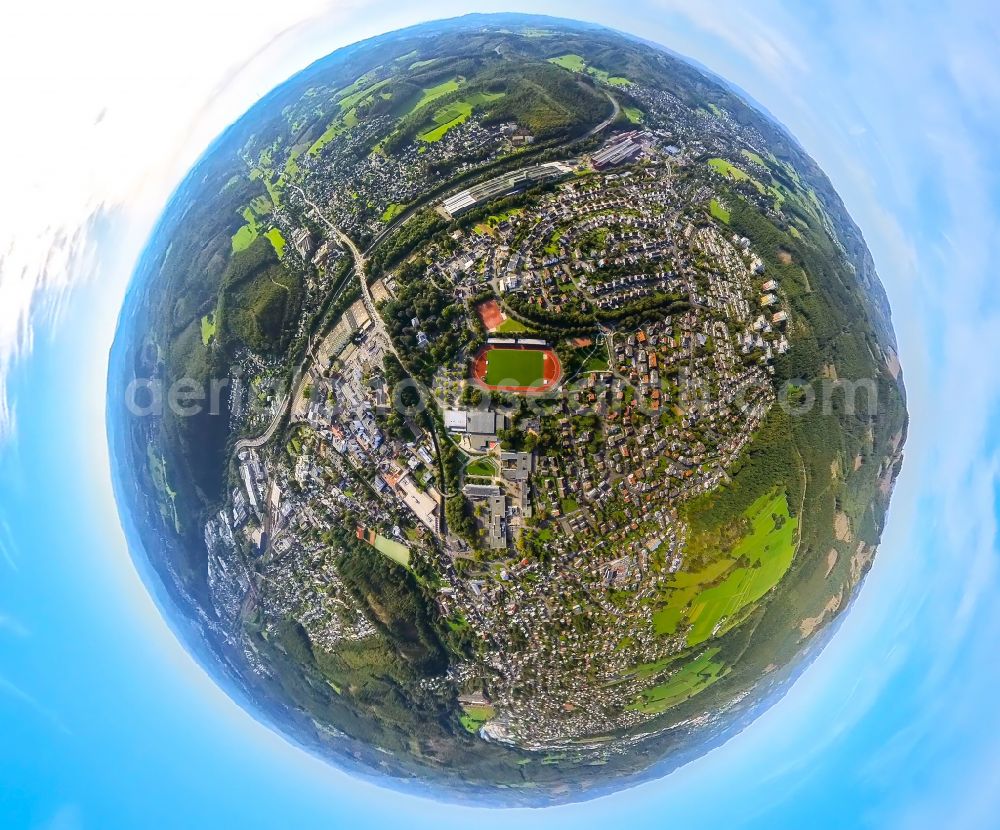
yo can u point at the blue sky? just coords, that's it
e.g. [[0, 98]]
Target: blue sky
[[106, 722]]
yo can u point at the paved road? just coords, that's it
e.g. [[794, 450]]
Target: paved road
[[300, 379], [261, 440], [359, 269], [607, 121]]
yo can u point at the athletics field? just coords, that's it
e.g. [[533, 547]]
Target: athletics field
[[517, 368]]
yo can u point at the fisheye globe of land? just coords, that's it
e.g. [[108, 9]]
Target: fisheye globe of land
[[556, 413]]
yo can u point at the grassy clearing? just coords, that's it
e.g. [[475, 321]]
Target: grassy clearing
[[685, 683], [244, 237], [511, 326], [597, 363], [718, 211], [633, 114], [392, 211], [434, 92], [473, 717], [277, 241], [483, 467], [607, 77], [598, 359], [157, 467], [514, 367], [572, 62], [208, 328], [355, 97], [350, 98], [711, 599], [358, 84], [331, 132], [729, 170], [397, 552], [576, 63], [752, 156]]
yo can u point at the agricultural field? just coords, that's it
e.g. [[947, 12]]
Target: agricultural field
[[277, 240], [574, 63], [685, 683], [356, 96], [335, 129], [710, 600], [435, 92], [607, 77], [454, 114], [731, 171], [247, 233]]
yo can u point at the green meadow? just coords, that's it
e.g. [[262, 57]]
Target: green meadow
[[397, 552], [434, 92], [208, 328], [731, 171], [633, 114], [277, 241], [473, 717], [511, 326], [454, 114], [574, 63], [685, 683], [711, 600], [392, 211], [718, 211]]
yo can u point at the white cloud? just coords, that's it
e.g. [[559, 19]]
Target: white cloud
[[113, 104]]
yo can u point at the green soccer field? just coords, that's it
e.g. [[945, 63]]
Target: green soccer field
[[514, 367]]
